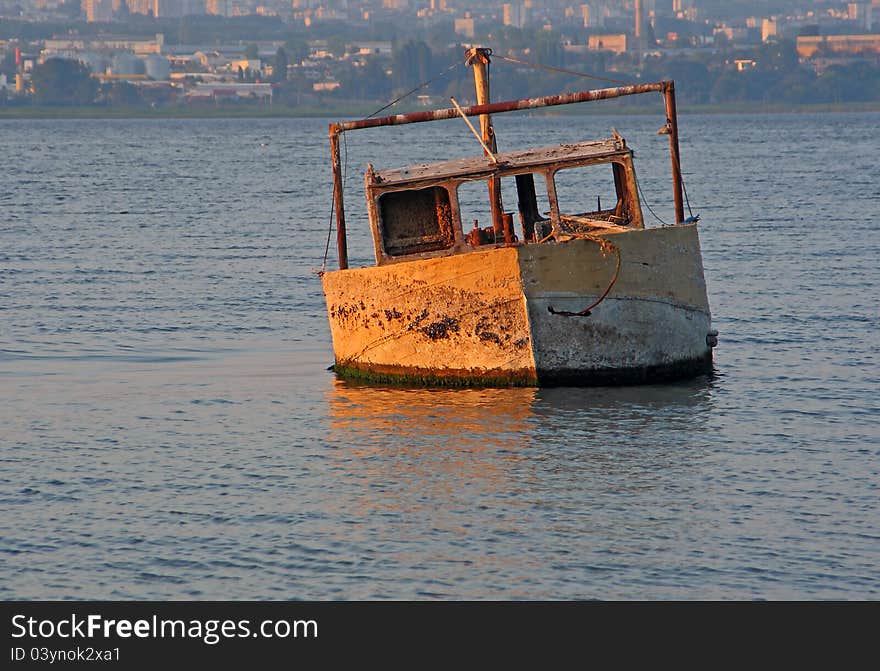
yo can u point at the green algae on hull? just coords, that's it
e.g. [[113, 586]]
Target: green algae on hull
[[421, 379]]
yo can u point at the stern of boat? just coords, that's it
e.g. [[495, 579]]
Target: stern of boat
[[653, 325]]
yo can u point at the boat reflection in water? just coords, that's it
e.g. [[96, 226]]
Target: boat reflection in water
[[443, 435], [395, 419], [449, 453]]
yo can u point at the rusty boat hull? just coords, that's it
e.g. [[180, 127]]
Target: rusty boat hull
[[506, 315]]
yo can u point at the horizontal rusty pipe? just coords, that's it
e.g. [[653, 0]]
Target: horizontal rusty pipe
[[506, 106]]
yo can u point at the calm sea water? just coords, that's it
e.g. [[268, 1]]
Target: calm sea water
[[169, 428]]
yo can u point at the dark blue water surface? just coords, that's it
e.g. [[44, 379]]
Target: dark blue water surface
[[169, 429]]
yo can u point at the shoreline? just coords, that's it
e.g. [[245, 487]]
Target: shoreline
[[358, 111]]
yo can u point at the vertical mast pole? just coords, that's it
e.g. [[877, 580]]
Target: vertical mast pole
[[674, 152], [338, 205], [479, 59]]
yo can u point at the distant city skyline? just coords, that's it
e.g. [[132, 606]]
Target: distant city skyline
[[518, 11], [309, 50]]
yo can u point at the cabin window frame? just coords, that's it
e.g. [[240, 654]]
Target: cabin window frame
[[379, 230], [625, 188], [451, 185]]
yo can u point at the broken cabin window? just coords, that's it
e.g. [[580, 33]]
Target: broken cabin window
[[527, 196], [476, 210], [525, 203], [415, 221], [593, 193]]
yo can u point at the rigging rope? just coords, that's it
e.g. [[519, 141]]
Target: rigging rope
[[685, 192], [417, 88], [677, 168], [605, 246], [647, 204], [563, 70], [329, 235]]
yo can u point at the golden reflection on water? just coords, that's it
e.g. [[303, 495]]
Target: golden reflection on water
[[437, 441], [416, 448], [401, 413], [480, 419]]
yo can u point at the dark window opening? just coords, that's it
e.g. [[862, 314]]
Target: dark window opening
[[476, 211], [523, 204], [593, 195], [533, 206], [416, 221]]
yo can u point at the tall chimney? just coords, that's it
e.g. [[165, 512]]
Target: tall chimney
[[638, 22]]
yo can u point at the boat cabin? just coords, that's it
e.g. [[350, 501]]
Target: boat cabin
[[423, 211]]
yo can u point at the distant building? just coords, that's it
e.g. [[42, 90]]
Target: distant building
[[97, 10], [177, 8], [684, 9], [807, 46], [731, 33], [157, 67], [126, 64], [229, 59], [768, 29], [228, 91], [370, 48], [638, 22], [219, 7], [585, 15], [514, 14], [144, 7], [141, 46], [862, 12], [245, 64], [465, 27], [615, 42]]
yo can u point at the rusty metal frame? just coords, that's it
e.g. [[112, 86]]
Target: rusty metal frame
[[666, 88]]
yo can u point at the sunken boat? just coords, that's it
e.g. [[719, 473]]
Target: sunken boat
[[569, 295]]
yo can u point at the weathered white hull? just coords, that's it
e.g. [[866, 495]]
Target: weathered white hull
[[484, 317], [625, 340]]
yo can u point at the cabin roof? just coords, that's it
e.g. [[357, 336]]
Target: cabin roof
[[568, 153]]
